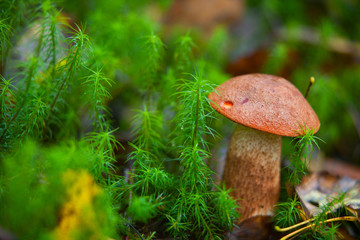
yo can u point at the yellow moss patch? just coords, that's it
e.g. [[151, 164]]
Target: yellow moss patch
[[78, 216]]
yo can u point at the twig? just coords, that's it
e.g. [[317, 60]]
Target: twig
[[312, 81], [344, 218]]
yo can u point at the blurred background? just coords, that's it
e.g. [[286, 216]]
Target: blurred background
[[292, 39]]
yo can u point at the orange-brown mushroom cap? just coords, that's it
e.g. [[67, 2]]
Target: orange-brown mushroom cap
[[265, 102]]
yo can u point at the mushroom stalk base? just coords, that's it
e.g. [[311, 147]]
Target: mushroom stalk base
[[252, 170]]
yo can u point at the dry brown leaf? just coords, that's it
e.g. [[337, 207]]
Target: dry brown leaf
[[319, 189]]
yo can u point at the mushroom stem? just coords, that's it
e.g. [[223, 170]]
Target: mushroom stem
[[252, 170]]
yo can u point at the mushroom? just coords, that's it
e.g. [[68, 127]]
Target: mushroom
[[266, 108]]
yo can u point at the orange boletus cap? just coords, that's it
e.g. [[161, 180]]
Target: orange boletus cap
[[265, 102]]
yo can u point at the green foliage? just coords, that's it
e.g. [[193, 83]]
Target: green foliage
[[194, 115], [96, 86], [35, 183], [303, 149], [149, 176], [323, 224], [192, 207], [103, 157], [142, 209], [148, 130], [69, 68], [45, 75], [224, 206], [287, 213], [328, 210], [61, 94], [184, 53], [7, 100], [5, 33]]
